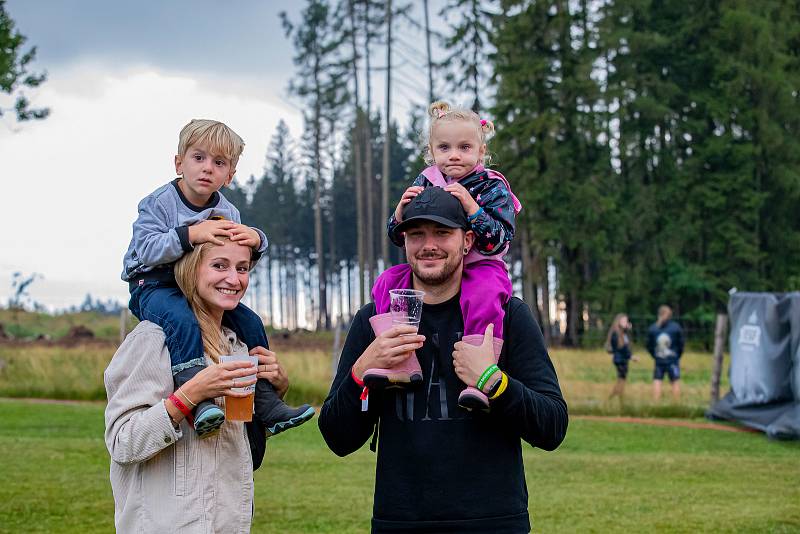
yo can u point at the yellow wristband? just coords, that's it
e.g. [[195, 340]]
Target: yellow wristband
[[502, 388]]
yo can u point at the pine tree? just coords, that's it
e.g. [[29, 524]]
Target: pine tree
[[320, 82], [15, 74], [468, 48]]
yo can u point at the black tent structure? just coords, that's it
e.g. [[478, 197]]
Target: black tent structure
[[765, 364]]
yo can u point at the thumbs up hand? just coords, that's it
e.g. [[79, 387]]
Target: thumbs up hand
[[470, 361]]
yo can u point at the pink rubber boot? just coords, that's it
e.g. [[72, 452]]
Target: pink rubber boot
[[472, 398], [408, 373]]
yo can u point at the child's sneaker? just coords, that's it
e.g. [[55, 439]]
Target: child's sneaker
[[276, 415], [471, 398], [208, 417]]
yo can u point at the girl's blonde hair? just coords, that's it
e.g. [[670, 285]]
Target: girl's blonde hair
[[441, 111], [214, 136], [616, 329], [214, 343]]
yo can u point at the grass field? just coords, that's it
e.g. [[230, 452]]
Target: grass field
[[606, 477], [65, 371], [586, 377]]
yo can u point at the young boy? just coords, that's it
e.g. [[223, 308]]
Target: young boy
[[172, 219]]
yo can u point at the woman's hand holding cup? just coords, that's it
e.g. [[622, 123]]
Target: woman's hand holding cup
[[218, 379]]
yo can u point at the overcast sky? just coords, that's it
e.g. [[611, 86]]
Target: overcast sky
[[123, 78]]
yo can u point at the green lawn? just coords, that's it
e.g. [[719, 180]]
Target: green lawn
[[606, 477], [586, 378]]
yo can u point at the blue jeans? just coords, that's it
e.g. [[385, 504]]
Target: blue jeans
[[163, 303]]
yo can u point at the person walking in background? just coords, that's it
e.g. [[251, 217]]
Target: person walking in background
[[619, 345], [665, 345]]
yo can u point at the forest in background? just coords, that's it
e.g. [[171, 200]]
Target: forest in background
[[654, 146]]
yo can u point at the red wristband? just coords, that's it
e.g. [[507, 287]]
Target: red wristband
[[357, 380], [182, 407], [364, 390]]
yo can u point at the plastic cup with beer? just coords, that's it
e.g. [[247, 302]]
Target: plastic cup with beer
[[241, 408]]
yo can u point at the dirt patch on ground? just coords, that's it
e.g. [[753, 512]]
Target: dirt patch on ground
[[664, 422]]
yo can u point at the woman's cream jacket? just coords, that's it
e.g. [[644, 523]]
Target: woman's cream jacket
[[166, 479]]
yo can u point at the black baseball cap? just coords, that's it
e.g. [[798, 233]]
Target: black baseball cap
[[436, 205]]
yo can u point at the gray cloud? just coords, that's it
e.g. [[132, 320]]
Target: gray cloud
[[242, 38]]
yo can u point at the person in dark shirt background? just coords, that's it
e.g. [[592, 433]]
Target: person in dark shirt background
[[440, 467], [665, 345], [619, 345]]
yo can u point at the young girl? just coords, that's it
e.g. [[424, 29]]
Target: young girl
[[618, 344], [456, 151]]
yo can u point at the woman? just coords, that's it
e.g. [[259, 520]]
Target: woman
[[164, 478], [618, 343]]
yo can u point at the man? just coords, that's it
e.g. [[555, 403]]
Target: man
[[441, 468], [665, 345]]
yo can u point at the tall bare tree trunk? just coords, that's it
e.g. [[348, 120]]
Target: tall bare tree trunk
[[573, 316], [283, 299], [322, 315], [270, 300], [291, 288], [387, 138], [369, 174], [546, 321], [349, 292], [476, 103], [358, 165], [428, 51], [528, 265], [331, 269]]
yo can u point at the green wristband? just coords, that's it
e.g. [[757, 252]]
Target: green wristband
[[486, 375]]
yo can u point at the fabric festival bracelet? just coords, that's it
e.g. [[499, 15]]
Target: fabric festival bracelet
[[355, 378], [486, 375], [502, 388], [186, 397], [182, 407], [364, 392]]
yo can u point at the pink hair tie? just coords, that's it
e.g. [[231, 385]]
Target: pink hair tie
[[442, 113], [483, 122]]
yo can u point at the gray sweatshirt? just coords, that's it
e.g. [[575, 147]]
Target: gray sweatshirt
[[161, 231]]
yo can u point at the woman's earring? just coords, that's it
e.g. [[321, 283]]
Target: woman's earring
[[466, 251]]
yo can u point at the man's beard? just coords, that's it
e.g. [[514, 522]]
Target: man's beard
[[447, 270]]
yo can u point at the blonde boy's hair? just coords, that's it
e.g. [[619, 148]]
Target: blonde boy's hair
[[443, 112], [214, 136]]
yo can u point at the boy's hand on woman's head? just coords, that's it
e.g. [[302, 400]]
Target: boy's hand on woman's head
[[246, 236], [209, 231], [408, 195]]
